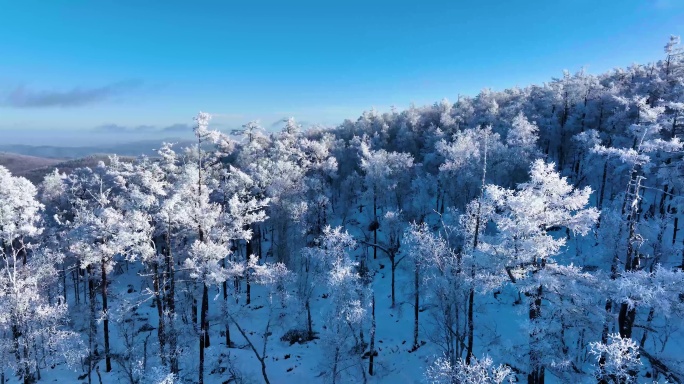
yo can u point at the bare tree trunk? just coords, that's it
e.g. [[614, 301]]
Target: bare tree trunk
[[394, 268], [471, 294], [309, 322], [160, 312], [649, 320], [194, 310], [77, 285], [248, 292], [627, 315], [29, 377], [86, 286], [16, 334], [204, 330], [171, 305], [416, 303], [536, 375], [372, 339], [105, 314], [676, 229], [471, 325], [248, 251], [91, 328], [225, 303], [603, 185], [376, 223], [64, 281]]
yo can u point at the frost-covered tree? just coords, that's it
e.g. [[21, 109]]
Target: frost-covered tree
[[347, 307], [522, 140], [525, 246], [275, 278], [429, 253], [639, 160], [460, 175], [31, 322], [385, 172], [478, 371], [103, 235], [618, 360], [212, 225]]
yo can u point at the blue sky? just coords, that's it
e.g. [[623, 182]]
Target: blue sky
[[106, 66]]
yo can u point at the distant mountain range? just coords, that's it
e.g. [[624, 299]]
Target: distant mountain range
[[20, 164], [34, 162], [35, 168], [137, 148]]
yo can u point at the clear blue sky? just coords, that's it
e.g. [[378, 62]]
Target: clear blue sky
[[103, 65]]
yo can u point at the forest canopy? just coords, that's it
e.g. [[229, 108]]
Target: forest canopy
[[530, 234]]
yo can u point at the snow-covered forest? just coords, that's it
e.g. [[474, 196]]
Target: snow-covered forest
[[527, 235]]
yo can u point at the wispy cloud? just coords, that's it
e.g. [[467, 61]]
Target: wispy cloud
[[142, 129], [115, 128], [23, 97], [177, 128]]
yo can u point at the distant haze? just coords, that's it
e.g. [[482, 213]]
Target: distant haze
[[82, 148], [77, 138]]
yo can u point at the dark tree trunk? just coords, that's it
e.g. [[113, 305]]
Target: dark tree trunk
[[16, 334], [675, 230], [375, 225], [171, 305], [627, 315], [471, 325], [105, 322], [77, 285], [29, 377], [626, 319], [225, 299], [372, 339], [603, 185], [160, 312], [86, 286], [225, 303], [194, 311], [248, 251], [536, 375], [92, 329], [649, 320], [471, 295], [205, 314], [394, 268], [309, 322], [64, 281], [416, 303], [204, 331]]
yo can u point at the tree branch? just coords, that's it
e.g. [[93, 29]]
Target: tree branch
[[661, 367]]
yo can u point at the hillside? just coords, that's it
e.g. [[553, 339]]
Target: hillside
[[68, 166], [35, 168], [21, 164]]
